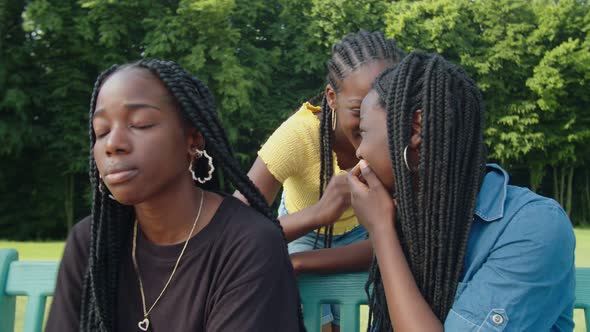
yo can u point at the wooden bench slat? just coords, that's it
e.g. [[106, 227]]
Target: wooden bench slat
[[34, 313], [7, 303], [32, 278], [349, 317], [37, 281], [583, 293], [347, 289]]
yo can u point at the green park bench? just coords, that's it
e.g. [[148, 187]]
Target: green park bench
[[36, 281]]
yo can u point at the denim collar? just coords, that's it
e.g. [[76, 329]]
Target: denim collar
[[492, 194]]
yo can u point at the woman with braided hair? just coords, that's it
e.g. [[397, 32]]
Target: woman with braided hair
[[456, 247], [164, 249], [308, 156]]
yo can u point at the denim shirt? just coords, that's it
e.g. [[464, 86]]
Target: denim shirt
[[519, 272]]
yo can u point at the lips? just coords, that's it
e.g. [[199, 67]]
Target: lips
[[120, 175]]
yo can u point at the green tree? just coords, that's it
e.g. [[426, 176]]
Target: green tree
[[560, 84], [488, 39], [16, 77], [20, 128], [262, 59], [530, 61], [63, 96]]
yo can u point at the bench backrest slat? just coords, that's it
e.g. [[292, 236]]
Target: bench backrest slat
[[347, 290], [36, 280], [583, 293], [7, 303]]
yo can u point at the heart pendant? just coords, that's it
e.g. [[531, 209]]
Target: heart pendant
[[144, 324]]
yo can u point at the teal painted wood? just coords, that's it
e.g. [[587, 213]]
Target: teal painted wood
[[347, 289], [36, 280], [583, 293], [7, 303]]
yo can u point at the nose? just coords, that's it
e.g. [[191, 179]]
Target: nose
[[359, 154], [118, 141]]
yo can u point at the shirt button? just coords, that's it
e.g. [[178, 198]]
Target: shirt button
[[497, 319]]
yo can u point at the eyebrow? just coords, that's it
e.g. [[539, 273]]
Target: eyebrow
[[130, 106]]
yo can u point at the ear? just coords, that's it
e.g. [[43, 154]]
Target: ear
[[194, 140], [330, 94], [416, 138]]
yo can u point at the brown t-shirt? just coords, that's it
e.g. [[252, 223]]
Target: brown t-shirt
[[235, 275]]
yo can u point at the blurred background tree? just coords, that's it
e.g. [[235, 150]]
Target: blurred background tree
[[262, 59]]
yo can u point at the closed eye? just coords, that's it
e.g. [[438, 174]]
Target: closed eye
[[102, 132], [142, 126], [101, 135]]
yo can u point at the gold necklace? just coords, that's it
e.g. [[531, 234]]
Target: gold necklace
[[144, 324]]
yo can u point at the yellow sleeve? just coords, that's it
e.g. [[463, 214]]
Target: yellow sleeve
[[290, 147]]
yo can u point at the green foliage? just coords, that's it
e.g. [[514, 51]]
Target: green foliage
[[262, 58], [530, 59], [16, 120]]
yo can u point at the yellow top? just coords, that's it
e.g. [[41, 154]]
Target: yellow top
[[292, 155]]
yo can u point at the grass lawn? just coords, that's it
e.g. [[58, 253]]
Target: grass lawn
[[44, 251]]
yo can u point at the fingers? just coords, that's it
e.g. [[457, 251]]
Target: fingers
[[356, 171], [370, 177], [339, 179], [337, 194], [355, 183], [338, 186]]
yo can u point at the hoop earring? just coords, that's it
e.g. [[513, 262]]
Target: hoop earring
[[333, 120], [199, 154], [406, 159]]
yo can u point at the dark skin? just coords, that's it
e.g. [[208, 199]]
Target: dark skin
[[370, 184], [336, 199], [143, 149]]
